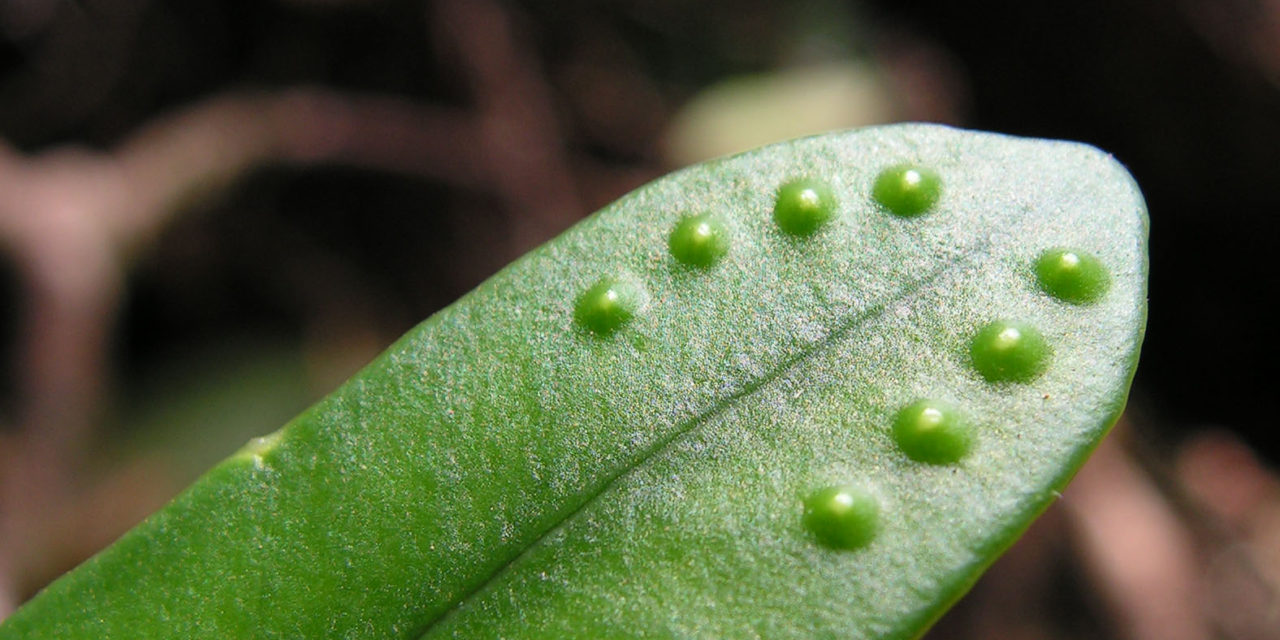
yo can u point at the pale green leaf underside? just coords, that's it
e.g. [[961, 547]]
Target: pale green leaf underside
[[500, 472]]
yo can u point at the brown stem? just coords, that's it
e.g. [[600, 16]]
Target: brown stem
[[71, 218]]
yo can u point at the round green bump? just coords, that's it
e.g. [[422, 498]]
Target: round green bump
[[933, 431], [1009, 351], [607, 305], [842, 517], [257, 449], [699, 240], [1072, 276], [907, 190], [803, 206]]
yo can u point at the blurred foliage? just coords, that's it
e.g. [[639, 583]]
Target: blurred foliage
[[746, 112]]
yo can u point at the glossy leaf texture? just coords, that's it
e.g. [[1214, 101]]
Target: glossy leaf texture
[[604, 440]]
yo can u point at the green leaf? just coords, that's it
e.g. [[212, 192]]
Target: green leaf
[[709, 451]]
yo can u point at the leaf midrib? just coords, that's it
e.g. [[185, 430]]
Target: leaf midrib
[[971, 255]]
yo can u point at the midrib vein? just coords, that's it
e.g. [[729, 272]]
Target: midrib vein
[[839, 333]]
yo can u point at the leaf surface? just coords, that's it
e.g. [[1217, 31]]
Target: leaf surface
[[514, 468]]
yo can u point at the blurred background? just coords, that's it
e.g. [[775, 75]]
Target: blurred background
[[214, 211]]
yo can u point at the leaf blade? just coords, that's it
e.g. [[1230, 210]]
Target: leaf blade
[[380, 490], [592, 604]]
